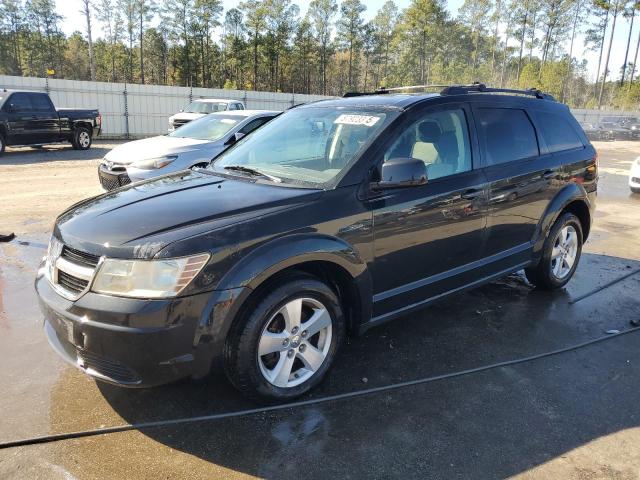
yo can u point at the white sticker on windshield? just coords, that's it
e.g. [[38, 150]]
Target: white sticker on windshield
[[366, 120], [228, 120]]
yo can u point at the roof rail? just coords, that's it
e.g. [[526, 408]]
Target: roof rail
[[477, 87], [380, 91]]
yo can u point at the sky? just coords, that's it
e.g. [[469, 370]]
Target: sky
[[74, 20]]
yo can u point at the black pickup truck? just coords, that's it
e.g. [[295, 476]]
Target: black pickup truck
[[29, 118]]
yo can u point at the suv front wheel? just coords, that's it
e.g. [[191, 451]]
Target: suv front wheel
[[286, 343], [560, 255]]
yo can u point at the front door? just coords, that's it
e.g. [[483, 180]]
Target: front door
[[19, 116], [428, 237]]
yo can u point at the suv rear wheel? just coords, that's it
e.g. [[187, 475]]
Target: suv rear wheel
[[285, 345], [560, 255]]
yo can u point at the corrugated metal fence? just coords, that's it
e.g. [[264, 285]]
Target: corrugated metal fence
[[137, 111]]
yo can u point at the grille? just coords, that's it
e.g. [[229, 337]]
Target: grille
[[71, 283], [111, 182], [80, 258], [107, 367], [635, 179]]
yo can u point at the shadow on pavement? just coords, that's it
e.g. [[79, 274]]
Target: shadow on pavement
[[49, 154], [517, 416]]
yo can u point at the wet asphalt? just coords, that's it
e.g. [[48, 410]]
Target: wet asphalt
[[574, 414]]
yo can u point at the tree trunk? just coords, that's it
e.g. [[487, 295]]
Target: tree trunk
[[255, 60], [573, 36], [626, 53], [606, 62], [141, 49], [604, 32], [635, 59], [495, 36], [92, 65], [524, 32]]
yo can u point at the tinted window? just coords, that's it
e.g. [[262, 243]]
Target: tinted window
[[20, 102], [508, 135], [251, 126], [440, 139], [41, 102], [558, 132]]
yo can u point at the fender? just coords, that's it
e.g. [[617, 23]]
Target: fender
[[267, 260], [568, 194]]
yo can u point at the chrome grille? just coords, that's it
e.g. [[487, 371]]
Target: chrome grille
[[70, 271], [79, 257], [71, 283]]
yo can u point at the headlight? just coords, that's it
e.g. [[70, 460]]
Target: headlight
[[153, 163], [148, 278]]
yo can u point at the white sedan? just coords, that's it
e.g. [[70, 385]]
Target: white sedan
[[197, 143]]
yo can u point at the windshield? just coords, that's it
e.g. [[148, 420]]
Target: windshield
[[306, 146], [205, 107], [211, 127]]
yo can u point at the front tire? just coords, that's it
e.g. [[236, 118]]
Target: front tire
[[82, 139], [560, 254], [286, 343]]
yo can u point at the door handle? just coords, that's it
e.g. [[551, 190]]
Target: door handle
[[549, 174], [471, 194]]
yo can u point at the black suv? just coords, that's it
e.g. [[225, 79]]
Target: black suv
[[333, 218]]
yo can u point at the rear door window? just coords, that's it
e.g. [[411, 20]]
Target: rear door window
[[508, 135], [558, 132], [41, 102]]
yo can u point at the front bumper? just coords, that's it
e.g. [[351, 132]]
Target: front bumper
[[135, 342]]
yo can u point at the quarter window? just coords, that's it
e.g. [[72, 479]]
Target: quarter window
[[440, 139], [558, 132], [508, 135], [41, 102]]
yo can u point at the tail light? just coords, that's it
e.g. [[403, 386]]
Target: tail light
[[99, 120]]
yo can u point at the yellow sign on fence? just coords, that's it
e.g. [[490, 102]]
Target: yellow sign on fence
[[51, 71]]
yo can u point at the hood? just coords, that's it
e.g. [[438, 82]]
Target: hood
[[186, 116], [154, 147], [140, 220]]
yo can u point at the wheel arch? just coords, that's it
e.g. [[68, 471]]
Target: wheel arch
[[572, 198], [328, 258]]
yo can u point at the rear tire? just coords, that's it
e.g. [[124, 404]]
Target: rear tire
[[82, 139], [560, 254], [269, 355]]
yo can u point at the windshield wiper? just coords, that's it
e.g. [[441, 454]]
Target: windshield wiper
[[252, 171]]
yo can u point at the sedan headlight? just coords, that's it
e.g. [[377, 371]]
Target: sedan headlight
[[154, 163], [148, 278]]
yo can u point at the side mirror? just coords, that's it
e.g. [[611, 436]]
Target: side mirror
[[234, 138], [402, 172]]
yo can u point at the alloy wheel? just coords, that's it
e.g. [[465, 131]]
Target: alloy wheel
[[565, 251], [295, 342]]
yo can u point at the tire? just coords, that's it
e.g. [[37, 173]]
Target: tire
[[2, 143], [82, 139], [548, 274], [264, 326], [635, 190]]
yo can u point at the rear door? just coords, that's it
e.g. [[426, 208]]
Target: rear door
[[521, 175], [44, 124], [429, 238]]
